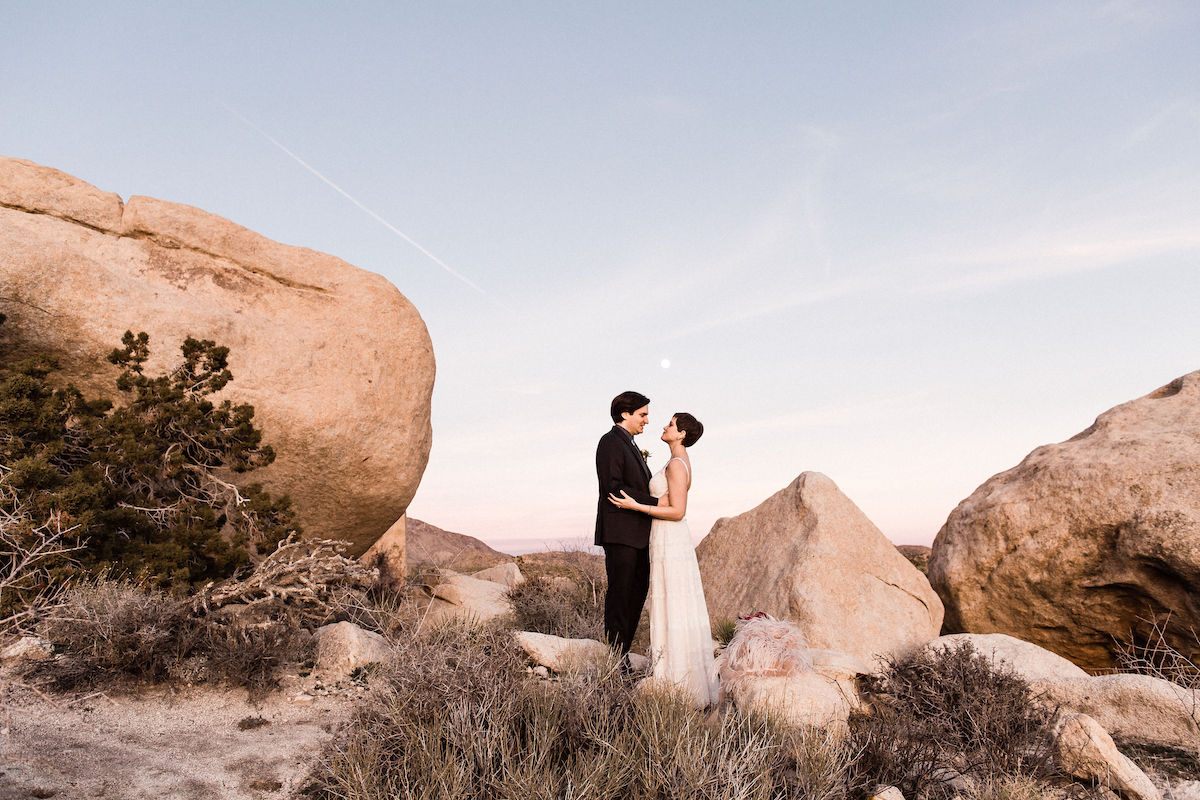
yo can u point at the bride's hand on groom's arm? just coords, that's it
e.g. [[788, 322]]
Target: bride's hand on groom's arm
[[624, 501]]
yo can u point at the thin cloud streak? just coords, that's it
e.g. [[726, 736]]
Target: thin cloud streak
[[1062, 258], [353, 200], [1036, 262]]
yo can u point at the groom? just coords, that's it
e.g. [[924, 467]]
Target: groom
[[624, 534]]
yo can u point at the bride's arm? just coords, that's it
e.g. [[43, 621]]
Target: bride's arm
[[676, 497]]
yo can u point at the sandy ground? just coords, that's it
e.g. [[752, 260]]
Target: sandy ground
[[179, 744]]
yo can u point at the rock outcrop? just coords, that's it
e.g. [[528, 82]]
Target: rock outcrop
[[808, 554], [1081, 542], [507, 574], [336, 362]]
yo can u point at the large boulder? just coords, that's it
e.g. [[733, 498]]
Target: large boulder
[[808, 554], [336, 362], [1079, 544]]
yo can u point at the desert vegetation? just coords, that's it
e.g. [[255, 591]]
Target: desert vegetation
[[457, 712], [243, 631], [136, 488]]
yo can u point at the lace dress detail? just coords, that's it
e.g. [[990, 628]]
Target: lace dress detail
[[681, 649]]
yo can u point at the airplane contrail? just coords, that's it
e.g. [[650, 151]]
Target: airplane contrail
[[349, 197]]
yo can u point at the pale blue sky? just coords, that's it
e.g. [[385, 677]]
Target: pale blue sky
[[900, 244]]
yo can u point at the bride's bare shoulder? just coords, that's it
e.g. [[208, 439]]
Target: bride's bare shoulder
[[679, 465]]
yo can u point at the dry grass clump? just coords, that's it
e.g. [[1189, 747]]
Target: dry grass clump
[[109, 632], [457, 715], [558, 606], [241, 631], [723, 629], [563, 594], [952, 715]]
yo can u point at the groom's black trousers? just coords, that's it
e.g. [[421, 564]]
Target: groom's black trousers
[[628, 570]]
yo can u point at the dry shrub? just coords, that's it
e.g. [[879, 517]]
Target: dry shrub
[[457, 714], [1157, 647], [109, 632], [560, 606], [948, 713], [1016, 787], [1153, 648]]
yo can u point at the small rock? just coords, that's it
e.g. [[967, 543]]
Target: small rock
[[27, 648], [886, 793], [541, 671], [250, 723], [1085, 750], [1183, 790], [804, 699], [344, 647], [557, 654], [507, 574], [470, 597]]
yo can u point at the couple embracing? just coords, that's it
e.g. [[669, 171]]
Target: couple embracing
[[648, 548]]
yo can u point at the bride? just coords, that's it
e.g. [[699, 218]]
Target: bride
[[681, 647]]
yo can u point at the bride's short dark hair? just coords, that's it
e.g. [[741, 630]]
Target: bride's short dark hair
[[626, 402], [691, 427]]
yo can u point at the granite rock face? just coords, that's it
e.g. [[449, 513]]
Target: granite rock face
[[336, 362], [1083, 541], [809, 555]]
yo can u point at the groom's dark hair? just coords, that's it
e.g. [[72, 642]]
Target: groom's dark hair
[[626, 402], [691, 427]]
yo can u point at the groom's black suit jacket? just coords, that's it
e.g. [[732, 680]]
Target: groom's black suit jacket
[[619, 465]]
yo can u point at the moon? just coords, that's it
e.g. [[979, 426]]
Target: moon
[[665, 363]]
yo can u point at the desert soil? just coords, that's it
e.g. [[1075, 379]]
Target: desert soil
[[183, 744]]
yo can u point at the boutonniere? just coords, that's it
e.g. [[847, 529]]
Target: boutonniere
[[645, 455]]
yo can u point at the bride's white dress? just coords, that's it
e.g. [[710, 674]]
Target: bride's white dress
[[681, 649]]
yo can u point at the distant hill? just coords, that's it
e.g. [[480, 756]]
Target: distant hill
[[430, 545], [918, 554]]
